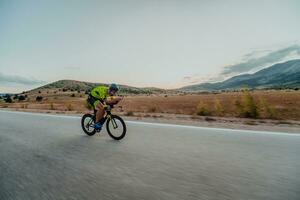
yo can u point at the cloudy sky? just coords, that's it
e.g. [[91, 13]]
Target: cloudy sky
[[159, 43]]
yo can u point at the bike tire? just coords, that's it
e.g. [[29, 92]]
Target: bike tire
[[123, 125], [89, 133]]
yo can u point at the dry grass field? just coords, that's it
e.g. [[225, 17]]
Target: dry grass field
[[282, 105]]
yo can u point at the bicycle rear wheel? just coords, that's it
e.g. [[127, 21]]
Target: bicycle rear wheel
[[87, 124], [116, 127]]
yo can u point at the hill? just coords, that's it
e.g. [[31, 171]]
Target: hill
[[281, 75], [74, 85]]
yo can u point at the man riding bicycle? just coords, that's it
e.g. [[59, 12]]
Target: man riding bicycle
[[99, 98]]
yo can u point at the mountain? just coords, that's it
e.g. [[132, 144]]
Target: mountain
[[74, 85], [281, 75]]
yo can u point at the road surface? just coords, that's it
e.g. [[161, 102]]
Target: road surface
[[49, 157]]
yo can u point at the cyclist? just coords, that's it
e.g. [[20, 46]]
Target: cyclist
[[99, 98]]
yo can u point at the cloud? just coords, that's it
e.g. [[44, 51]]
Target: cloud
[[200, 78], [13, 79], [72, 68], [256, 61], [251, 62]]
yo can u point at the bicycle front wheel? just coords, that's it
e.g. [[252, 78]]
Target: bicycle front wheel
[[116, 127], [87, 124]]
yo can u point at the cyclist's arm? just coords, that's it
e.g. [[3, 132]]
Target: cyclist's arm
[[113, 100]]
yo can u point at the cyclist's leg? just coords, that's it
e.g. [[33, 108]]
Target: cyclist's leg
[[100, 110]]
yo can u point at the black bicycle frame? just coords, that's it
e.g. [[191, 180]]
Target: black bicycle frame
[[108, 115]]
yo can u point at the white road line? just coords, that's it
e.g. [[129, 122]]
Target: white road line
[[158, 124]]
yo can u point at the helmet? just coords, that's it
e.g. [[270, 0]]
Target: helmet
[[114, 87]]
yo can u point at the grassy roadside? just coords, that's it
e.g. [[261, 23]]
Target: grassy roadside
[[277, 105]]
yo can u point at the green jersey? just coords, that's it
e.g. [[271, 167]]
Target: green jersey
[[100, 92]]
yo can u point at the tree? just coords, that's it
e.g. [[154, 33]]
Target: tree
[[21, 98], [39, 98], [8, 99]]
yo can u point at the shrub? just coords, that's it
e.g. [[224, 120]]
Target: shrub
[[202, 109], [21, 98], [267, 110], [64, 89], [219, 108], [39, 98], [69, 107], [51, 106], [16, 97], [129, 113], [40, 92], [239, 107], [250, 107], [72, 95], [152, 109], [8, 99], [247, 106]]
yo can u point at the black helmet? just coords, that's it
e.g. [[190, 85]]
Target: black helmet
[[114, 87]]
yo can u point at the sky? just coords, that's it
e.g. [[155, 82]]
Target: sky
[[142, 43]]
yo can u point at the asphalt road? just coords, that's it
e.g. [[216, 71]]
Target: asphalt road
[[49, 157]]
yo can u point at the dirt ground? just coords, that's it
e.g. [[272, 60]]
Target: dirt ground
[[178, 109], [286, 103]]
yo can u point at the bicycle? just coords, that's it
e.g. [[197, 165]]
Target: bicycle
[[115, 125]]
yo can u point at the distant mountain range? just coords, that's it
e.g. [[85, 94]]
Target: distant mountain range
[[281, 75]]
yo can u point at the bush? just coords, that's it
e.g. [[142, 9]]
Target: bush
[[267, 110], [69, 107], [52, 106], [247, 106], [219, 108], [8, 99], [16, 97], [64, 89], [152, 109], [40, 92], [39, 98], [72, 95], [21, 98], [129, 113], [202, 109]]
